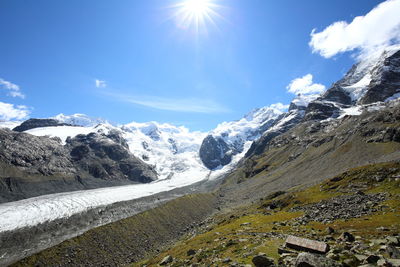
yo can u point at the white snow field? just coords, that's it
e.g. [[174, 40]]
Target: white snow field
[[33, 211]]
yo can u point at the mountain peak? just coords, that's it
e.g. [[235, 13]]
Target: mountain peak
[[79, 119]]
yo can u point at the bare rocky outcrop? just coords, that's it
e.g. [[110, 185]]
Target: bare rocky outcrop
[[33, 166], [107, 157]]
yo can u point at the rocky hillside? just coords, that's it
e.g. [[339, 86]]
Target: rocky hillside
[[348, 220]]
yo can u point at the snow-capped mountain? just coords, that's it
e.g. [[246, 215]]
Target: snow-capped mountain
[[79, 120], [171, 150], [181, 156], [232, 138], [374, 79]]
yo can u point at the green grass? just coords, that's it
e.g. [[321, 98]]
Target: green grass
[[230, 226]]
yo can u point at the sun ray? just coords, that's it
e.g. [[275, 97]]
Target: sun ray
[[196, 14]]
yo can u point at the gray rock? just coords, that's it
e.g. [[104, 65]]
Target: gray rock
[[312, 260], [166, 260], [346, 236], [330, 230], [394, 262], [191, 252], [372, 259], [393, 240], [360, 257], [262, 261], [226, 260], [393, 252]]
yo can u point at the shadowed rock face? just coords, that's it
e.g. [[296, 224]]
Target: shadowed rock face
[[37, 123], [281, 125], [32, 165], [108, 157], [320, 110], [214, 152], [33, 154], [337, 94], [385, 80]]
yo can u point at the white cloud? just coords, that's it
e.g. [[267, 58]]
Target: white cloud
[[172, 104], [279, 106], [378, 29], [11, 88], [12, 112], [100, 83], [305, 85]]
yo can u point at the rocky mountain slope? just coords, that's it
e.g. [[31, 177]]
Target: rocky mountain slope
[[374, 79], [353, 216], [34, 165]]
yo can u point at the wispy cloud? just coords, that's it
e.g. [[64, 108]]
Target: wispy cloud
[[11, 88], [11, 112], [376, 30], [194, 105], [100, 83], [305, 85]]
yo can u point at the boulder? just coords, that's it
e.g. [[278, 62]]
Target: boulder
[[166, 260], [312, 260], [303, 244], [191, 252], [262, 261], [393, 252], [347, 237]]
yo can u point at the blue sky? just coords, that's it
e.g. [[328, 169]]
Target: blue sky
[[148, 68]]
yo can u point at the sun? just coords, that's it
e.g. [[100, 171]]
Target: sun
[[196, 8], [195, 13]]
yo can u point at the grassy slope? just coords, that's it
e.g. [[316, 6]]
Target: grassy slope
[[127, 240], [296, 158], [246, 231]]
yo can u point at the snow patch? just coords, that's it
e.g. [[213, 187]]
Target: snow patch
[[304, 100], [9, 124], [358, 90], [236, 133], [79, 120], [352, 111]]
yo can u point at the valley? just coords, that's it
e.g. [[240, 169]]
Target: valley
[[81, 191]]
